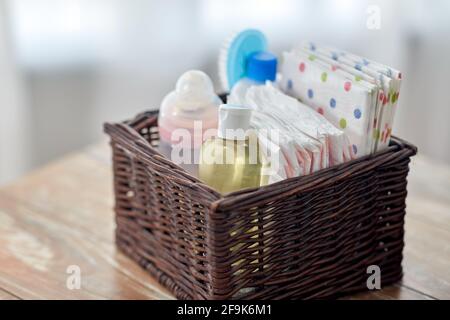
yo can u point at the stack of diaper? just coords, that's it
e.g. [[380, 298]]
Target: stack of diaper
[[357, 95], [300, 141]]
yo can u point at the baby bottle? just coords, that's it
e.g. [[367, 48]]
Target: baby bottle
[[186, 114]]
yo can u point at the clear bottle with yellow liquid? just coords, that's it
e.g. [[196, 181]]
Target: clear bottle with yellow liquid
[[233, 159]]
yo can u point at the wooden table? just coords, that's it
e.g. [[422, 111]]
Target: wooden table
[[61, 215]]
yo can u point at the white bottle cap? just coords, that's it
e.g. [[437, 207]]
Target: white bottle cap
[[234, 121]]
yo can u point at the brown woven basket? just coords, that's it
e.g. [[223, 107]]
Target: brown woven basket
[[302, 238]]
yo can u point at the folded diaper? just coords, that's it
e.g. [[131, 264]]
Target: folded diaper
[[388, 79], [334, 93], [281, 149], [382, 82], [307, 141], [351, 74]]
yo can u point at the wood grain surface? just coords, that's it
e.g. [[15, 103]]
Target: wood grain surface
[[61, 215]]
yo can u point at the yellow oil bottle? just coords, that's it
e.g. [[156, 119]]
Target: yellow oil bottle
[[233, 160]]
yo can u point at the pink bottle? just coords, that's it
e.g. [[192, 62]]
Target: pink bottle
[[188, 116]]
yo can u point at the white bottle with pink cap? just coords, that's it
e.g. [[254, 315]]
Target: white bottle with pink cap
[[186, 114]]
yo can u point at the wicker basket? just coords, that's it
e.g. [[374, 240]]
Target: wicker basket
[[302, 238]]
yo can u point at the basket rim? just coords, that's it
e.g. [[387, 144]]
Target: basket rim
[[127, 132]]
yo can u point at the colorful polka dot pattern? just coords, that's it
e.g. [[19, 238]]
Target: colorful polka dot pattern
[[302, 67], [355, 149], [333, 103], [290, 85], [342, 99], [387, 79], [347, 86], [376, 134]]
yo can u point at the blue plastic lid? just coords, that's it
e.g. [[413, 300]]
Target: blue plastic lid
[[238, 50], [262, 66]]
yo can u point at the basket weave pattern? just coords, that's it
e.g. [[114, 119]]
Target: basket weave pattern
[[302, 238]]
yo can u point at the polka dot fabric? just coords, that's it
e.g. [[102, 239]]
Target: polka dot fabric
[[333, 93], [387, 79], [333, 103]]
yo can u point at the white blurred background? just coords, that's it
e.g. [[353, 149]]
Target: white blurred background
[[66, 66]]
